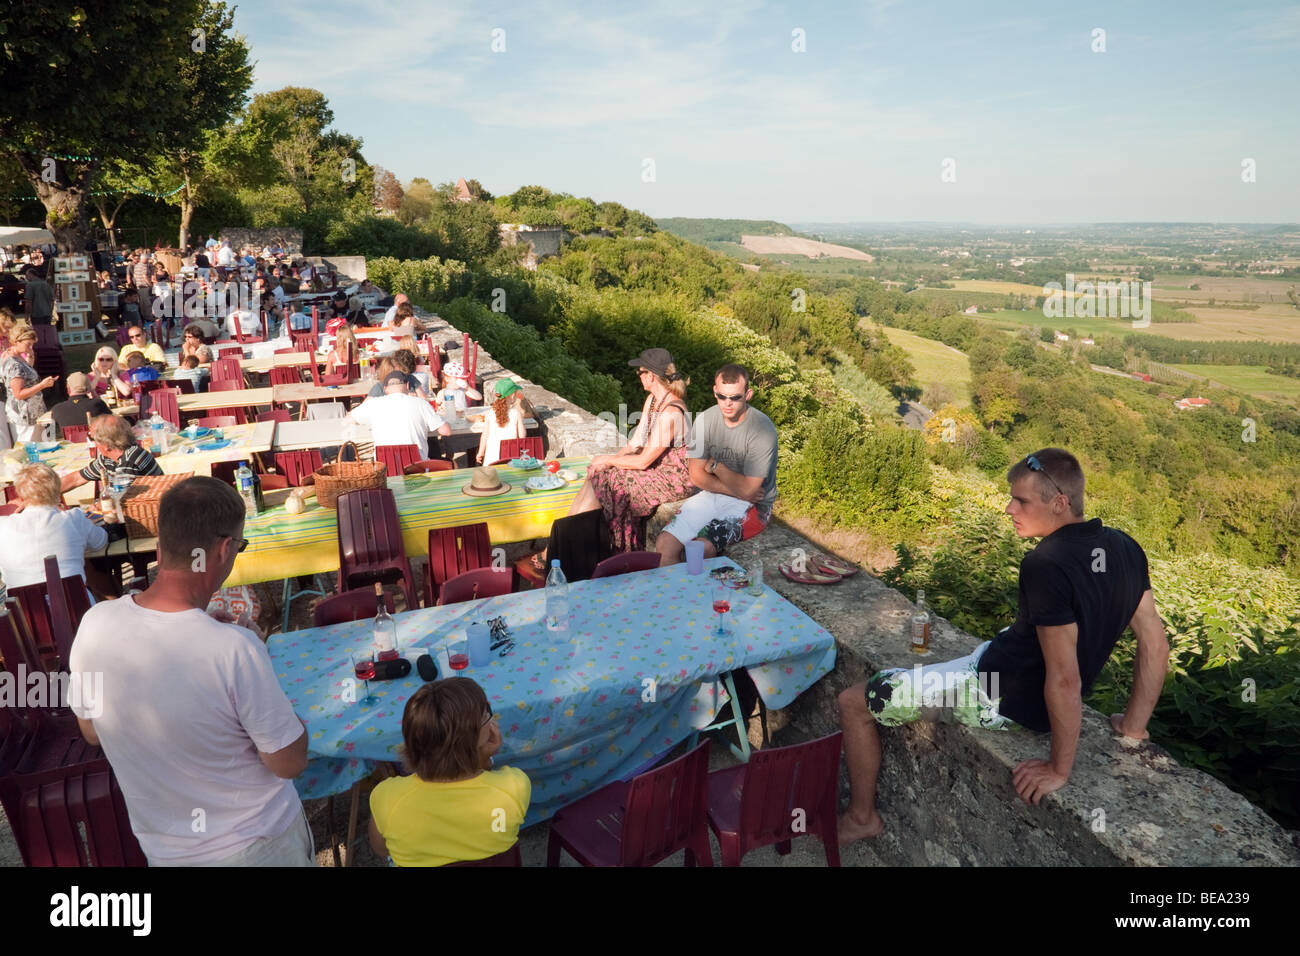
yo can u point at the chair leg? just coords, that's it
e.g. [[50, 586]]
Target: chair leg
[[352, 822], [334, 840], [831, 842], [553, 850], [783, 848], [729, 843], [742, 731]]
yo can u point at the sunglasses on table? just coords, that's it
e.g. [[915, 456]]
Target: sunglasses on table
[[1036, 465]]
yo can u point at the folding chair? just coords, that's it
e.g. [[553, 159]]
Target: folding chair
[[754, 805], [286, 375], [304, 342], [226, 370], [370, 542], [454, 551], [640, 822], [230, 351]]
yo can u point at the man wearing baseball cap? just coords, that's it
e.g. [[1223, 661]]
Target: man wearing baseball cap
[[80, 407], [398, 417]]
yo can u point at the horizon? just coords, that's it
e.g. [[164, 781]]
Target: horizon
[[1153, 126]]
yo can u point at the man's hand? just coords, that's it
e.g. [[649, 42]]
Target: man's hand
[[1117, 724], [244, 620], [1035, 779]]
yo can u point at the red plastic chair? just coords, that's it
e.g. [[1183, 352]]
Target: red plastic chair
[[454, 551], [510, 857], [641, 822], [158, 333], [288, 351], [298, 466], [230, 351], [476, 585], [359, 604], [469, 357], [427, 466], [227, 385], [141, 391], [226, 370], [435, 364], [275, 415], [304, 342], [184, 385], [8, 509], [370, 542], [397, 457], [286, 375], [164, 401], [757, 804], [218, 421], [53, 614], [512, 448], [75, 433], [250, 338], [626, 563]]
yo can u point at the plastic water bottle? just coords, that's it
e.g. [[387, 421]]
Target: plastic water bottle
[[385, 629], [157, 435], [557, 601], [244, 484]]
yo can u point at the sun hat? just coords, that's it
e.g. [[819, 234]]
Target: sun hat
[[505, 387], [453, 370], [485, 483], [656, 360]]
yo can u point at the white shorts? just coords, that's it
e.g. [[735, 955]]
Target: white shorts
[[703, 508], [293, 847]]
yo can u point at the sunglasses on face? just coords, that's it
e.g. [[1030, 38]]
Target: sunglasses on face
[[1036, 465], [243, 543], [729, 398]]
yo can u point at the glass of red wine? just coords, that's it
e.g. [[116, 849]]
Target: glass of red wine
[[721, 605], [458, 654], [363, 666]]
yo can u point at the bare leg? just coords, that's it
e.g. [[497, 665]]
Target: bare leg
[[669, 548], [862, 754], [586, 500], [709, 550]]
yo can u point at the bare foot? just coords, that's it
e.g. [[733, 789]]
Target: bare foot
[[851, 831]]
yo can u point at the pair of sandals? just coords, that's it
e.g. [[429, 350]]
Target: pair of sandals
[[820, 569]]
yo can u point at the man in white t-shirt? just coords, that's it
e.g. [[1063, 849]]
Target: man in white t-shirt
[[390, 317], [399, 418], [202, 739]]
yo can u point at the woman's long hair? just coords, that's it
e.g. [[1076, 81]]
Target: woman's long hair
[[674, 382]]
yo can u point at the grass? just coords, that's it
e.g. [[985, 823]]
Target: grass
[[1034, 319], [935, 363], [1251, 379]]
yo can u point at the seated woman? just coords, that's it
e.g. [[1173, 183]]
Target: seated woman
[[40, 528], [192, 341], [404, 322], [402, 361], [106, 375], [345, 349], [116, 453], [505, 420], [448, 809], [651, 469]]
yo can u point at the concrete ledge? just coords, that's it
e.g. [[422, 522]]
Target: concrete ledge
[[945, 790]]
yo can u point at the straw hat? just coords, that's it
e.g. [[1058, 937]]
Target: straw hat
[[485, 484]]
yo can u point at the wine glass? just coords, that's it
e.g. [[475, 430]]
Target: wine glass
[[721, 605], [458, 654], [363, 666]]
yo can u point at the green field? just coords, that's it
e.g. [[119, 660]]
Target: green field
[[1034, 319], [935, 362], [1250, 379]]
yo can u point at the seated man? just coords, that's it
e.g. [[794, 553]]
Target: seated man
[[1079, 589], [153, 353], [399, 418], [203, 741], [390, 317], [732, 460], [80, 406], [116, 453]]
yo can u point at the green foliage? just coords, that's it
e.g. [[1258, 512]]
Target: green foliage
[[430, 280], [723, 230]]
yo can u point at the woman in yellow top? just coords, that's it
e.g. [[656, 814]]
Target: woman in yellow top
[[453, 806]]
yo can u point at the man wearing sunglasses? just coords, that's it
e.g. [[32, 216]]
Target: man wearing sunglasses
[[1079, 589], [732, 461], [203, 741], [152, 351]]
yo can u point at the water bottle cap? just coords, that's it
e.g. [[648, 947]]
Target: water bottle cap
[[555, 562]]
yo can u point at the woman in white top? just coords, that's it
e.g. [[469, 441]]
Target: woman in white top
[[40, 529], [504, 420]]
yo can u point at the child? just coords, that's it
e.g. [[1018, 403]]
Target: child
[[191, 370], [455, 388], [137, 370], [505, 420]]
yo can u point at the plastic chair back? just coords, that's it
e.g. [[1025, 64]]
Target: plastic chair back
[[218, 421], [454, 551], [239, 332], [230, 351], [164, 401], [510, 857], [304, 342], [427, 466], [476, 585], [226, 370], [298, 466], [512, 448], [141, 393], [53, 615], [370, 542], [75, 433], [397, 457], [626, 563], [275, 415], [286, 375], [358, 604]]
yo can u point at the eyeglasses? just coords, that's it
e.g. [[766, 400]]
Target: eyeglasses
[[729, 398], [137, 335], [243, 542], [1036, 465], [489, 718]]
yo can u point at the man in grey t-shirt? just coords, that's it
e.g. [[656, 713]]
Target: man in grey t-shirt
[[732, 460], [39, 297]]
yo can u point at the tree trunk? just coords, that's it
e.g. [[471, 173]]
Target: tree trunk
[[62, 187], [187, 207]]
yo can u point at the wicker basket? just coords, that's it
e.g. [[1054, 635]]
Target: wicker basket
[[340, 477], [141, 501]]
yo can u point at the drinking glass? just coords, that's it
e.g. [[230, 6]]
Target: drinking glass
[[458, 654], [363, 666], [721, 606], [756, 577]]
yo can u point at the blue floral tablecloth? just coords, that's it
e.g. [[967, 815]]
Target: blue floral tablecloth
[[637, 675]]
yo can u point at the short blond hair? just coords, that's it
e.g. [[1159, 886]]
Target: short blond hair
[[38, 485]]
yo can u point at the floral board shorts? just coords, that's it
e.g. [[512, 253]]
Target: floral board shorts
[[898, 695], [719, 519]]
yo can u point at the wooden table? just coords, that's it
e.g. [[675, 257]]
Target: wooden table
[[308, 392], [202, 402]]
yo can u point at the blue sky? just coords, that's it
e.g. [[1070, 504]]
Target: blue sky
[[856, 128]]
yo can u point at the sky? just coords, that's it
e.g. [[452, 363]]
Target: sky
[[883, 110]]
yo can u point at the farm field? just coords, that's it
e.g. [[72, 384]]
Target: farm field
[[1033, 318], [935, 363], [1222, 288], [1213, 325], [794, 245], [1250, 379], [997, 287]]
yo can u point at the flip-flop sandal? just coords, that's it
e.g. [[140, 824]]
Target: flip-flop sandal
[[833, 565], [810, 576]]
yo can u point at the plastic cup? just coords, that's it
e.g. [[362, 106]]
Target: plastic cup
[[480, 644], [694, 557]]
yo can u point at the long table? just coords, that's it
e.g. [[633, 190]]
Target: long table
[[282, 545], [201, 402], [637, 675]]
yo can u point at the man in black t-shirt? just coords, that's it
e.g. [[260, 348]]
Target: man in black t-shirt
[[80, 407], [1079, 589]]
